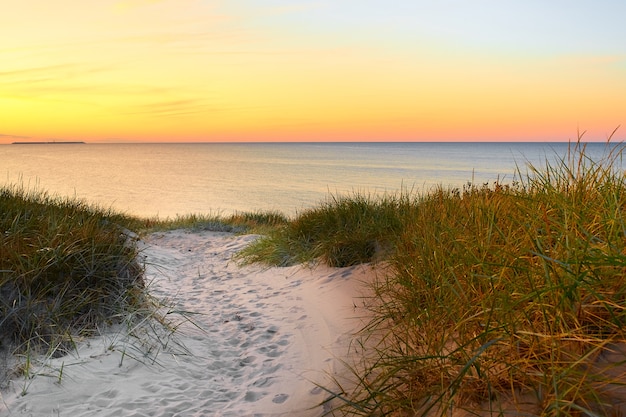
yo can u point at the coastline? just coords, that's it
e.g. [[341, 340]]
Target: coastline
[[260, 340], [50, 143], [471, 321]]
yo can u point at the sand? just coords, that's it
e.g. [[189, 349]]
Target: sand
[[260, 341]]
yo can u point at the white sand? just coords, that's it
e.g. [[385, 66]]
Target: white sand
[[265, 338]]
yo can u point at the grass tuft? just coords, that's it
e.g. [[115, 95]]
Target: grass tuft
[[244, 222], [504, 292], [502, 299], [65, 268], [343, 231]]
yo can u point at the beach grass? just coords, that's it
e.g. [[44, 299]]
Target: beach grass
[[342, 231], [240, 222], [498, 299], [65, 268]]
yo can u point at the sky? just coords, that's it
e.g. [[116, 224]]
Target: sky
[[314, 70]]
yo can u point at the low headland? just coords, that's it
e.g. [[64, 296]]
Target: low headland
[[497, 299], [53, 142]]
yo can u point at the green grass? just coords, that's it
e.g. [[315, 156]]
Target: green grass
[[343, 231], [65, 268], [496, 292], [239, 223]]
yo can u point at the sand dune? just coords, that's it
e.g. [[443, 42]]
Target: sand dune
[[260, 341]]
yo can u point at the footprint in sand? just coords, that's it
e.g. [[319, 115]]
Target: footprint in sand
[[263, 382], [280, 398], [252, 396]]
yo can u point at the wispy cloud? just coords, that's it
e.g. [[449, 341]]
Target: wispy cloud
[[6, 136], [60, 72], [73, 81], [172, 108], [163, 43], [36, 81], [33, 71]]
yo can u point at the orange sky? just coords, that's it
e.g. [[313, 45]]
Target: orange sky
[[273, 70]]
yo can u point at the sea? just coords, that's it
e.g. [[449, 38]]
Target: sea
[[167, 180]]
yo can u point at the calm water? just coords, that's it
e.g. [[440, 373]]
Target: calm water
[[171, 179]]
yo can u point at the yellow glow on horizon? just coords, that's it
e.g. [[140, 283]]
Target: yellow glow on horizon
[[159, 70]]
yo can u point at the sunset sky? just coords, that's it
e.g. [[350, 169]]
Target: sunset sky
[[331, 70]]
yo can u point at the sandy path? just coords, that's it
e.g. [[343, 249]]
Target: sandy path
[[263, 338]]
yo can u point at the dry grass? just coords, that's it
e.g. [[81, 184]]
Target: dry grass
[[503, 298]]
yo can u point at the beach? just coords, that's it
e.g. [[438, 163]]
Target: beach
[[249, 340], [494, 300]]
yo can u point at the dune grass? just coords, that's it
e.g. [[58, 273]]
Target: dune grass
[[240, 222], [500, 300], [65, 268], [343, 231]]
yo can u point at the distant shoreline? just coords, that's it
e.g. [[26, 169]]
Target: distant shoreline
[[49, 143]]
